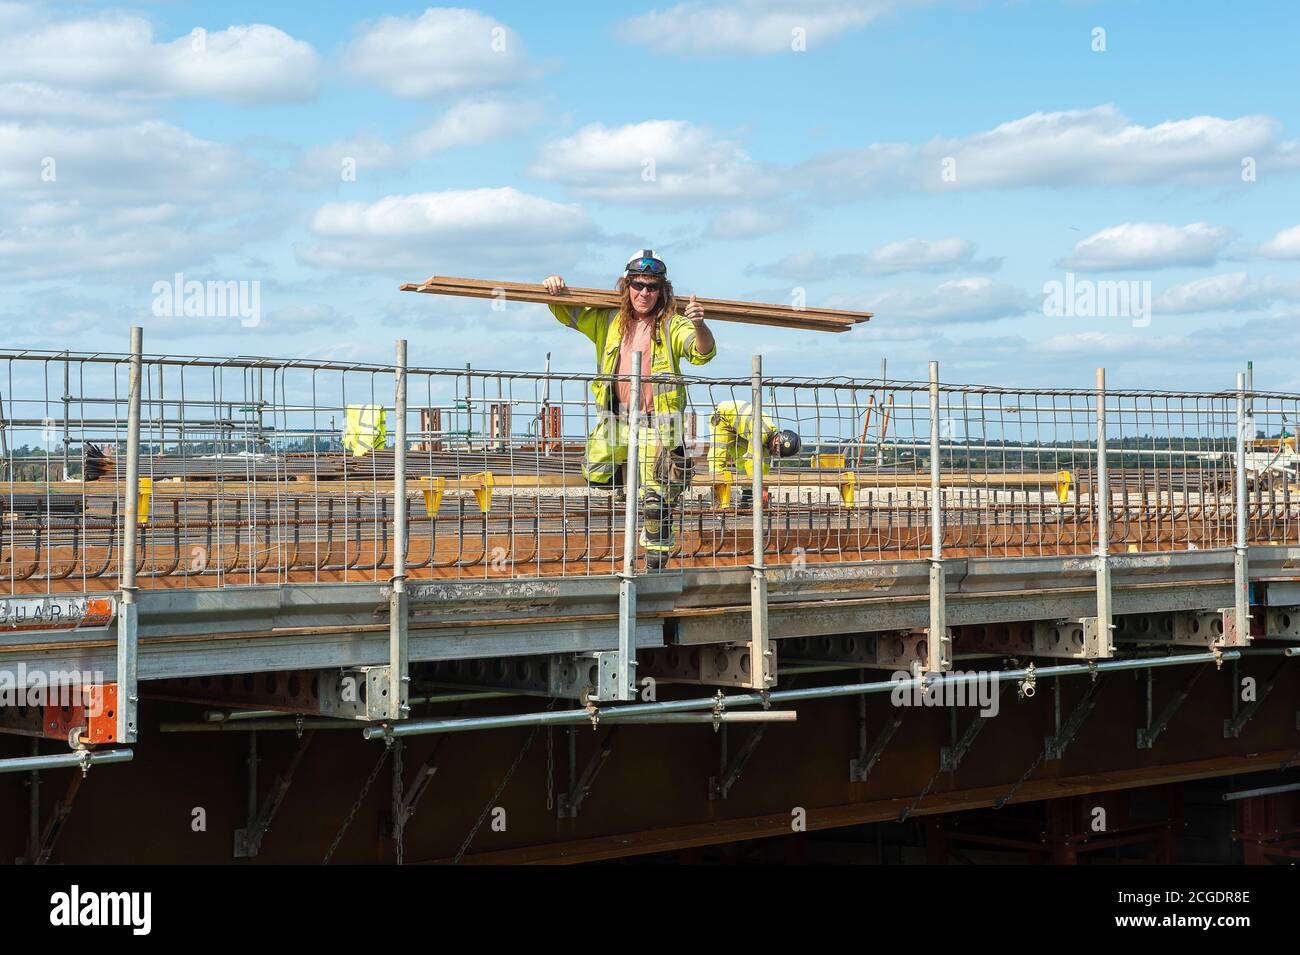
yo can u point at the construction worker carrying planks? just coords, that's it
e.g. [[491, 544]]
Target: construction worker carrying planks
[[732, 423], [647, 321]]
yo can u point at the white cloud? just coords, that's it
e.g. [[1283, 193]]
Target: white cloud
[[120, 199], [448, 232], [113, 51], [1097, 146], [753, 26], [472, 123], [1147, 245], [959, 300], [469, 123], [907, 255], [136, 162], [1284, 245], [29, 101], [1230, 291], [748, 222], [1105, 343], [440, 52], [654, 161]]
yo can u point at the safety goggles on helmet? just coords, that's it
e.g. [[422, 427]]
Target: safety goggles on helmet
[[645, 262]]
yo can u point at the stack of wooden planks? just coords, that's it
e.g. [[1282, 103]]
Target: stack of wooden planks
[[715, 309]]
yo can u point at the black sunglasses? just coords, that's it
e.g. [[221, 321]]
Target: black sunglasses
[[644, 286]]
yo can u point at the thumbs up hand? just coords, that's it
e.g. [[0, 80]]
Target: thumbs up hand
[[695, 311]]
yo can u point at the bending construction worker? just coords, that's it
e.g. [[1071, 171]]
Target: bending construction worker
[[647, 321], [733, 423]]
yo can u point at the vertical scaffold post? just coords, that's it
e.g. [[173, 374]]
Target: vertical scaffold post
[[1240, 569], [937, 641], [128, 699], [627, 579], [759, 649], [1105, 628], [398, 677]]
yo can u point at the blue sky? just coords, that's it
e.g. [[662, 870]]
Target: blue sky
[[512, 140]]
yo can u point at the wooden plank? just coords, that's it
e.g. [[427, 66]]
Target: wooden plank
[[757, 313], [830, 314]]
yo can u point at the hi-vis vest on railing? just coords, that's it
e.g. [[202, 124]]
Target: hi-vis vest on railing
[[366, 429], [606, 448]]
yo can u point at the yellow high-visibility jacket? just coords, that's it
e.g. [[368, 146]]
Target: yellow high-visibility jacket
[[605, 447], [365, 429], [732, 423]]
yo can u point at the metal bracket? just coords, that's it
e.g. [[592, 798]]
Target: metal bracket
[[567, 805], [370, 689], [1231, 636], [861, 767], [891, 649], [950, 757], [719, 787], [1232, 727], [248, 841], [1076, 638], [714, 665], [555, 675], [1146, 737], [1054, 746], [1282, 623], [1196, 629]]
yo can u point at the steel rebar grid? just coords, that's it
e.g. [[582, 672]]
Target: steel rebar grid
[[245, 514]]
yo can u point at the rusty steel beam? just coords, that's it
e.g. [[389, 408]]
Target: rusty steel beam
[[673, 838]]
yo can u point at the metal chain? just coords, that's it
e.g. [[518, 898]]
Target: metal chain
[[399, 811], [902, 817], [487, 808], [1021, 781], [550, 769], [356, 806]]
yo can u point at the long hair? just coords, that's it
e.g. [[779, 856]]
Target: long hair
[[667, 304]]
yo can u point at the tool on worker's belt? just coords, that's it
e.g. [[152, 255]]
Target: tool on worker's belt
[[673, 467], [366, 429], [1028, 686]]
